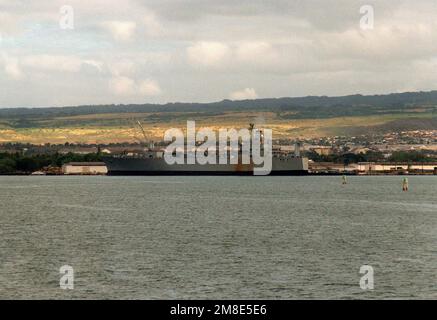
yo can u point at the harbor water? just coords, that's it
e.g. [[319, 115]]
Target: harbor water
[[218, 237]]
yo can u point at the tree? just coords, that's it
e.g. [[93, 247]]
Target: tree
[[7, 165]]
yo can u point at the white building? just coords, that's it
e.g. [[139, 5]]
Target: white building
[[85, 168], [369, 167]]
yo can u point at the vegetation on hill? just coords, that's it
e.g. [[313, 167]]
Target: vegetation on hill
[[288, 118], [296, 108]]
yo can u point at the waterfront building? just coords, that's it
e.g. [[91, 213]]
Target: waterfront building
[[84, 168]]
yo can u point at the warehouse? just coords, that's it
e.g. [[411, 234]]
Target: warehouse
[[84, 168]]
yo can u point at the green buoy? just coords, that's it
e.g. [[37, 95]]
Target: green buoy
[[405, 184]]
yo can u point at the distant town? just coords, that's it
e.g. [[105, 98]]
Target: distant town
[[404, 152]]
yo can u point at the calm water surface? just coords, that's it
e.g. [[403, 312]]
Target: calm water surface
[[217, 237]]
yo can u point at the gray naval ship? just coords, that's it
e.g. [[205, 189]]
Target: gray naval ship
[[151, 162]]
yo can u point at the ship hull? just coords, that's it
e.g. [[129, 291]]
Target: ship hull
[[126, 166]]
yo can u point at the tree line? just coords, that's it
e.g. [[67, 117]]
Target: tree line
[[19, 163]]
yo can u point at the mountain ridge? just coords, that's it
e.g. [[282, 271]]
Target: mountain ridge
[[357, 103]]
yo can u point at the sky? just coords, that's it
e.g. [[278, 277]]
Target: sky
[[59, 53]]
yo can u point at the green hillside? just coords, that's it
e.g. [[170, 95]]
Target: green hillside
[[288, 117]]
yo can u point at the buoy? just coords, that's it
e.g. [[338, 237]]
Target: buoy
[[344, 179], [405, 184]]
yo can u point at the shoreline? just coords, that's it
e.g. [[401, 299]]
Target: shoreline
[[215, 175]]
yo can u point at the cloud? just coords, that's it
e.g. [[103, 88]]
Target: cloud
[[122, 67], [152, 25], [93, 63], [127, 86], [122, 86], [59, 63], [245, 94], [149, 88], [201, 50], [208, 53], [120, 30], [12, 67], [257, 53]]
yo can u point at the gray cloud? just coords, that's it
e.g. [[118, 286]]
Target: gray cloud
[[202, 50]]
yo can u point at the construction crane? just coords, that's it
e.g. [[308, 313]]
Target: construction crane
[[142, 130], [132, 123], [151, 144]]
